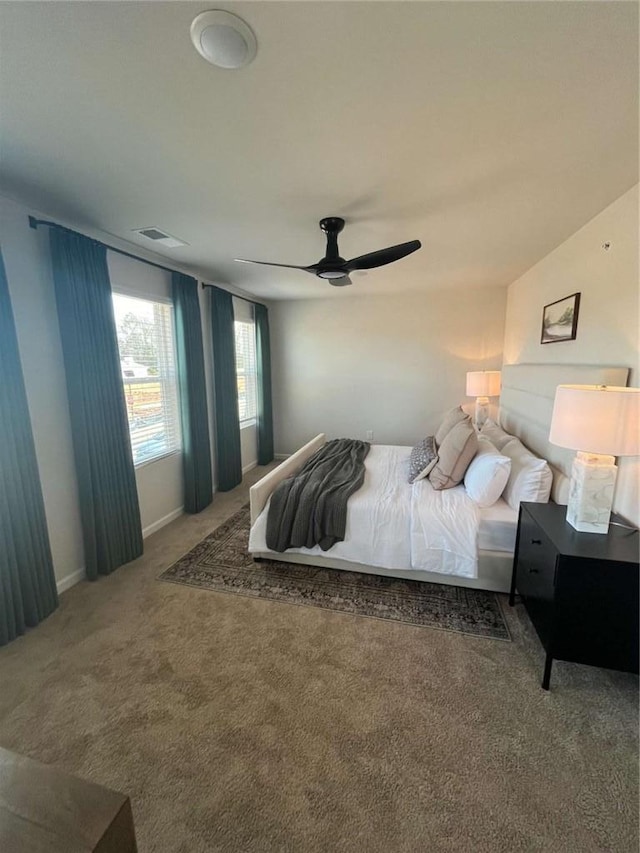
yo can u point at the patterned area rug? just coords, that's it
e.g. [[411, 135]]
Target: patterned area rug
[[221, 563]]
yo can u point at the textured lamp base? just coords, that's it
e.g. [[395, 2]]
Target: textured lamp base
[[593, 478], [482, 411]]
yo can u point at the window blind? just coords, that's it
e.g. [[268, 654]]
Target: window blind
[[246, 370], [148, 367]]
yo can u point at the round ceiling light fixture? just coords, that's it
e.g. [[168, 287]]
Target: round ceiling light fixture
[[223, 39]]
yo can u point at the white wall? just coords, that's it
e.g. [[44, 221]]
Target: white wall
[[392, 365], [608, 332], [248, 447]]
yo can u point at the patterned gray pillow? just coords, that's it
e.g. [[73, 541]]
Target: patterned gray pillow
[[423, 457]]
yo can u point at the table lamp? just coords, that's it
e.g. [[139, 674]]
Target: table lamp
[[483, 384], [600, 422]]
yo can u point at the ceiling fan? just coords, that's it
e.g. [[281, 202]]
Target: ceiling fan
[[334, 268]]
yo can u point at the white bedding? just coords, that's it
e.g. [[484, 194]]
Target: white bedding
[[444, 530], [378, 515], [498, 527], [393, 525]]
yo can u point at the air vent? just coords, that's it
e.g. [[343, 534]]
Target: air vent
[[160, 237]]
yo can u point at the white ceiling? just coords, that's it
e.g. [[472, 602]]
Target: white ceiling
[[490, 131]]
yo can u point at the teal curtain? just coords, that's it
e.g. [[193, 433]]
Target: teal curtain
[[227, 420], [104, 466], [196, 448], [265, 408], [27, 584]]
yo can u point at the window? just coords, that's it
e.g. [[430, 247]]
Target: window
[[246, 371], [148, 367]]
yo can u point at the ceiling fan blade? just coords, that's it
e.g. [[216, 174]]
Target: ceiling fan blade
[[270, 264], [383, 256], [340, 282]]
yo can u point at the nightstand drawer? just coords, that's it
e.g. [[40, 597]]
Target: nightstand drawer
[[536, 561], [597, 606]]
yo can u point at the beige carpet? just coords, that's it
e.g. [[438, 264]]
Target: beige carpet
[[238, 724]]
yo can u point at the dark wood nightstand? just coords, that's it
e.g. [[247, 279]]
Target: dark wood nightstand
[[580, 589]]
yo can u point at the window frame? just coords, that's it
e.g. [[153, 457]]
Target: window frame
[[160, 300], [252, 420]]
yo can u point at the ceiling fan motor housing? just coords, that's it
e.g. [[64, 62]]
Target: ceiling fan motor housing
[[332, 265], [332, 223]]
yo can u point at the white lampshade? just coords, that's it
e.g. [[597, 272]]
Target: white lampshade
[[483, 383], [599, 419]]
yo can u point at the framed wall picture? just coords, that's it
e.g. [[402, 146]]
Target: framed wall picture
[[560, 320]]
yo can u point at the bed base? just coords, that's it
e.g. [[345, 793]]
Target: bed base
[[494, 569]]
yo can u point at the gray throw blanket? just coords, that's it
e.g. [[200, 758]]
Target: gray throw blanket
[[310, 508]]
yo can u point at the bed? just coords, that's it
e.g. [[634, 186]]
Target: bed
[[415, 532]]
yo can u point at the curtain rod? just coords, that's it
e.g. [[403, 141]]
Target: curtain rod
[[244, 298], [34, 223]]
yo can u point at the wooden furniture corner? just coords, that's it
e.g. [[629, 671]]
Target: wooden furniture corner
[[46, 810]]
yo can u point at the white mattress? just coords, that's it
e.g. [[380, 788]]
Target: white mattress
[[498, 526]]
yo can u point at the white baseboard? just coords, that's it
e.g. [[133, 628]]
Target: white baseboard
[[161, 522], [281, 455], [73, 578], [249, 467], [70, 580]]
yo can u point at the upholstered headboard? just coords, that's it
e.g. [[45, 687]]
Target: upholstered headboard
[[526, 404]]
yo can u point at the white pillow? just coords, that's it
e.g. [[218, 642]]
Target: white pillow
[[496, 435], [530, 478], [487, 475]]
